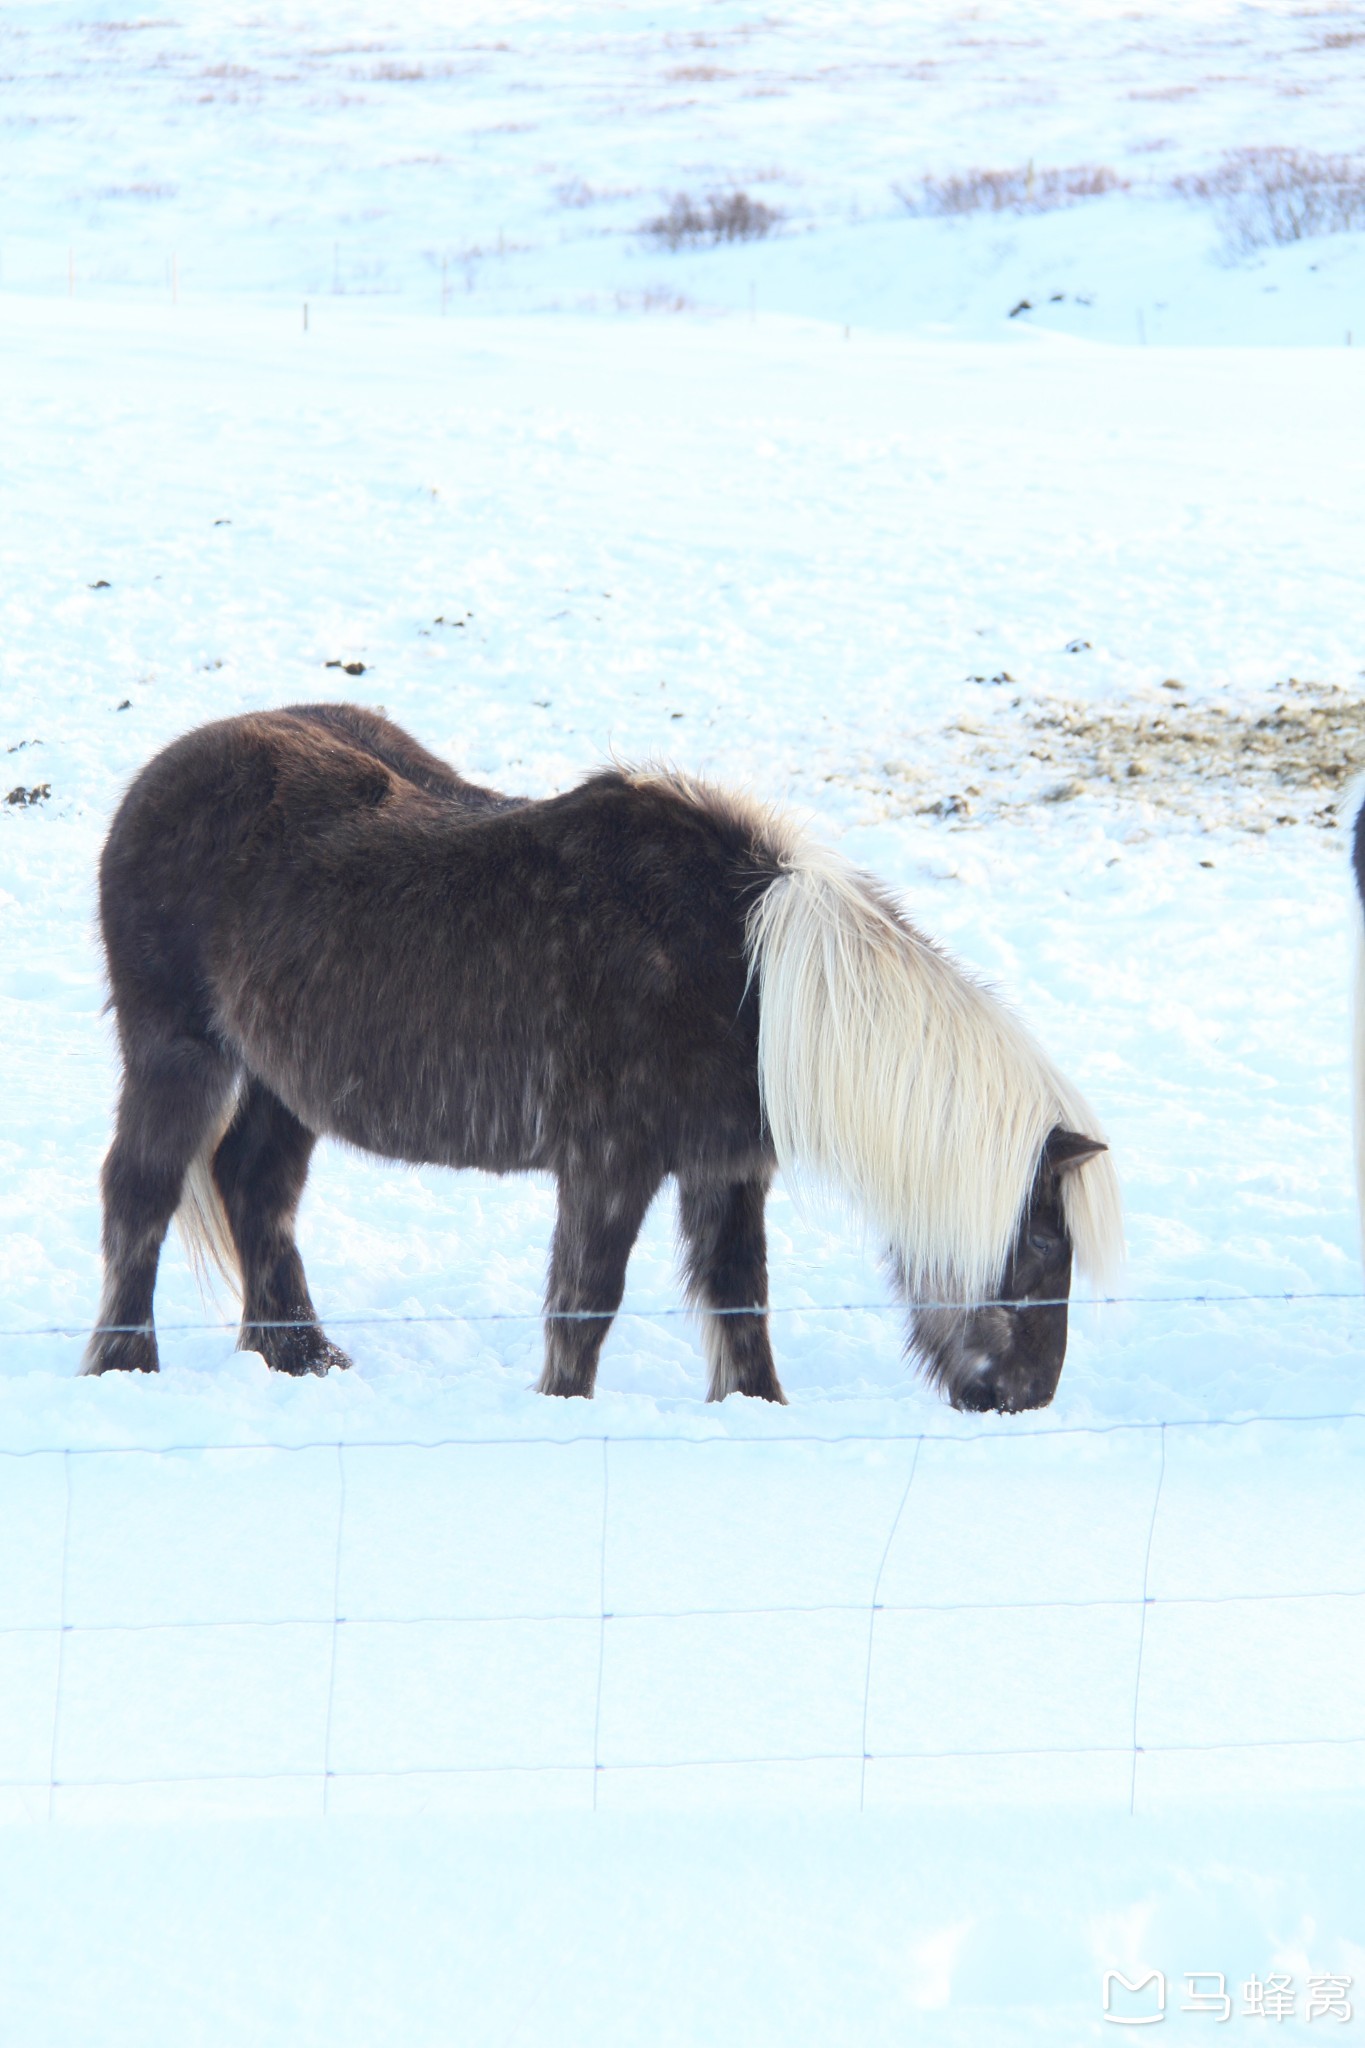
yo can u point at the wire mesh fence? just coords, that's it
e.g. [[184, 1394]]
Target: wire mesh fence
[[665, 1312], [1111, 1612]]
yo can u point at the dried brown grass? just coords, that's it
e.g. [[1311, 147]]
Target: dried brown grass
[[720, 217], [1266, 197], [1026, 190], [1246, 766]]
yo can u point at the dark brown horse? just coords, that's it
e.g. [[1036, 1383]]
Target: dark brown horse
[[314, 927]]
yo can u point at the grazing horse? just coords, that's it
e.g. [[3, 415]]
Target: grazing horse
[[314, 927]]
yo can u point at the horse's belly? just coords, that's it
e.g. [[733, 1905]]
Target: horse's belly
[[423, 1114], [507, 1092], [493, 1144]]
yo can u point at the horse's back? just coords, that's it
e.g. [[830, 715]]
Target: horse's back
[[430, 970], [371, 733]]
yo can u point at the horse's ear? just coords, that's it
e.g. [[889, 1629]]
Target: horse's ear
[[1066, 1150]]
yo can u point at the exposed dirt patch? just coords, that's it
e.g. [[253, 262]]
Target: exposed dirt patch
[[1284, 761]]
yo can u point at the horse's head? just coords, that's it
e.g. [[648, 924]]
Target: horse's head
[[1008, 1355]]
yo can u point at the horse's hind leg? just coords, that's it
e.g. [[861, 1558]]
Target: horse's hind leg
[[726, 1255], [259, 1170], [174, 1089], [599, 1220]]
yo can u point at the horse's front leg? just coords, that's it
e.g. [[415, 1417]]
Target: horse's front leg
[[599, 1220], [726, 1253]]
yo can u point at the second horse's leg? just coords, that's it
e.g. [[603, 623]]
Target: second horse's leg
[[597, 1224], [259, 1170], [726, 1251]]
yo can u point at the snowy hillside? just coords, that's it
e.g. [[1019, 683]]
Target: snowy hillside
[[1050, 616], [1128, 171]]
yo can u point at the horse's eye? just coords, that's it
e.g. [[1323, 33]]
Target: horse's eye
[[1044, 1242]]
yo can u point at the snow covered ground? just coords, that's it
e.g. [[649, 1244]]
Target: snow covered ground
[[512, 157], [999, 600]]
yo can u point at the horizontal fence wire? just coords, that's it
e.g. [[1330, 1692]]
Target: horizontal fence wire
[[686, 1763], [336, 1625], [1017, 1430], [669, 1311], [578, 1617], [378, 1774]]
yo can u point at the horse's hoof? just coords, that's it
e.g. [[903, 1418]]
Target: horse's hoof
[[319, 1362], [296, 1352], [126, 1352]]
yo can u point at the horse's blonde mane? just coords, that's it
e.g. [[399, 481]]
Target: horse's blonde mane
[[887, 1072]]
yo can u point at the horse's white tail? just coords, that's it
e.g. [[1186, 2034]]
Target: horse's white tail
[[202, 1220], [1358, 1034], [886, 1070]]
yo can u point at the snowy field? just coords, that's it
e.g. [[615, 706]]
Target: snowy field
[[408, 1705]]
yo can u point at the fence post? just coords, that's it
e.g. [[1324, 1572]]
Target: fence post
[[603, 1618], [336, 1626], [1142, 1624], [872, 1619], [62, 1632]]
